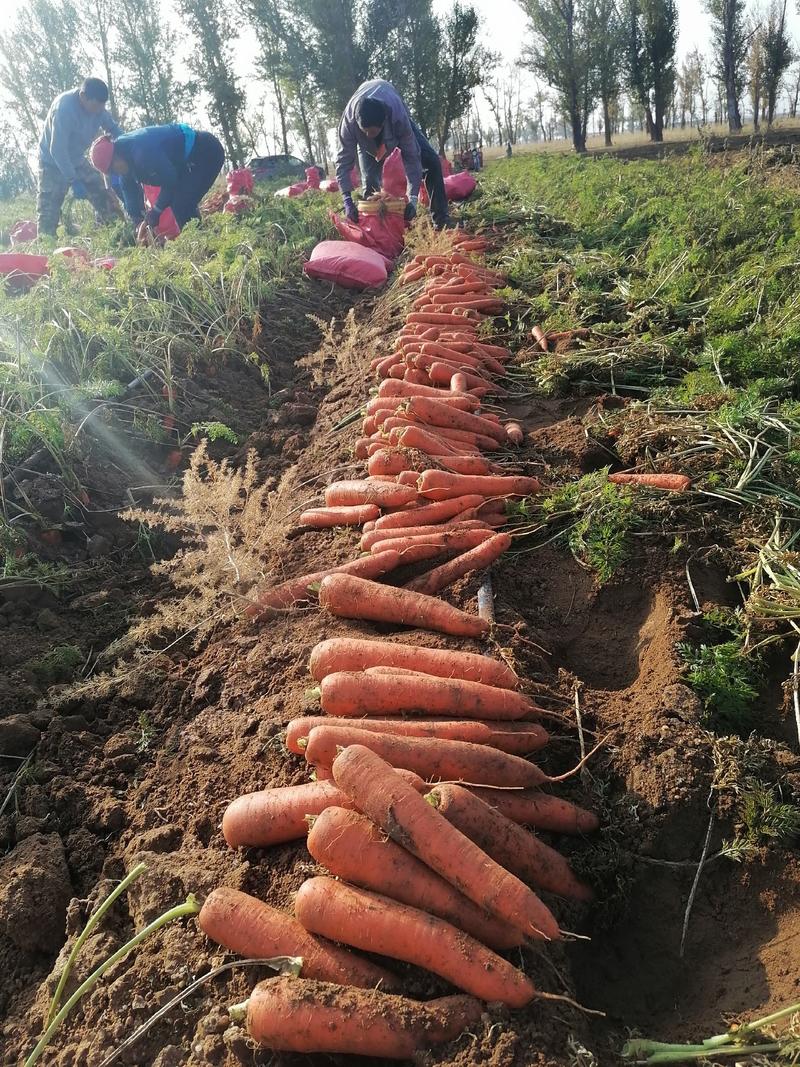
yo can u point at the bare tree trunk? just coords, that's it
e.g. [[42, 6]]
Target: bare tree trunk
[[607, 122]]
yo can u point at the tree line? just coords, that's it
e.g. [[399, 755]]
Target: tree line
[[590, 52]]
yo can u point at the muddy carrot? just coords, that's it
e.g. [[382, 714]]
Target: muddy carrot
[[514, 433], [674, 483], [353, 493], [452, 540], [322, 518], [531, 807], [354, 598], [370, 537], [430, 514], [475, 559], [428, 410], [540, 338], [441, 485], [253, 929], [516, 738], [466, 464]]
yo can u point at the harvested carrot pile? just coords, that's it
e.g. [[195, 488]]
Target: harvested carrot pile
[[422, 786]]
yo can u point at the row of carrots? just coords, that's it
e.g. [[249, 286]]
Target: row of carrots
[[421, 789]]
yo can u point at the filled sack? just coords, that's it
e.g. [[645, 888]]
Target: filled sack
[[459, 186], [348, 264]]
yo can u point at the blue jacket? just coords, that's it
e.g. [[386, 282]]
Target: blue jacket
[[397, 132], [156, 155], [68, 131]]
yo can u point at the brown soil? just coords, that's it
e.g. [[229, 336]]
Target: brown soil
[[146, 774]]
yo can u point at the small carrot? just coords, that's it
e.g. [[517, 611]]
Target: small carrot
[[475, 559], [442, 372], [540, 338], [295, 1015], [356, 654], [376, 923], [531, 807], [466, 464], [354, 598], [514, 433], [512, 847], [253, 929], [458, 382], [674, 483], [353, 493], [352, 848]]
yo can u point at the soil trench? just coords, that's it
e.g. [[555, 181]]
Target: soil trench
[[146, 775]]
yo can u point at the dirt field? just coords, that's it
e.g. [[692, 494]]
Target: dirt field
[[145, 773]]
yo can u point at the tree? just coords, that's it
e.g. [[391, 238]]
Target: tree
[[15, 172], [212, 63], [41, 56], [98, 18], [793, 92], [755, 72], [462, 67], [562, 52], [651, 31], [338, 52], [608, 54], [729, 35], [778, 55], [148, 89]]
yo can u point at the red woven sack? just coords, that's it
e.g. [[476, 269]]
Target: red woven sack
[[21, 270], [25, 230], [240, 182], [347, 264], [383, 234], [393, 178], [312, 177], [459, 186]]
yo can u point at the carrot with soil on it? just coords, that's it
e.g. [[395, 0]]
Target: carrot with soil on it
[[531, 807], [371, 537], [408, 819], [430, 514], [323, 518], [506, 842], [253, 929], [476, 559], [352, 848], [441, 485], [354, 493], [431, 412], [294, 1015], [514, 433], [519, 739], [673, 483], [376, 923], [453, 540]]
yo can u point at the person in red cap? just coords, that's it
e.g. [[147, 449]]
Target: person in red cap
[[182, 162]]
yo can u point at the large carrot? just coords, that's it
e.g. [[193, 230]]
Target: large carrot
[[283, 596], [514, 737], [453, 540], [387, 461], [673, 483], [431, 412], [370, 537], [376, 923], [506, 842], [356, 693], [442, 372], [442, 485], [385, 495], [410, 436], [357, 654], [253, 929], [352, 848], [476, 559], [393, 388], [433, 759], [322, 518], [531, 807], [514, 433], [354, 598], [293, 1015], [430, 514], [466, 464], [380, 793]]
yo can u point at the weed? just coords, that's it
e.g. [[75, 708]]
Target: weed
[[727, 682], [214, 431], [60, 664], [146, 732]]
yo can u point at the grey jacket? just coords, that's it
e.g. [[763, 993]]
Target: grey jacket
[[398, 132], [68, 132]]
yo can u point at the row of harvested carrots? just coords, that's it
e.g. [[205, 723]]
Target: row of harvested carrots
[[421, 789]]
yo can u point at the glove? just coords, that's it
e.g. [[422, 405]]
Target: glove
[[350, 209], [410, 212], [79, 190], [152, 218]]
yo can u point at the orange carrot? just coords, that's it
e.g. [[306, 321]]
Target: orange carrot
[[384, 494], [458, 382], [283, 596], [354, 598], [512, 847], [430, 514], [441, 318], [466, 464], [430, 411], [253, 929], [380, 793], [453, 540], [357, 654], [516, 738], [674, 483], [352, 848], [376, 923], [514, 433], [440, 485], [475, 559], [541, 338], [393, 388], [531, 807], [322, 518], [370, 537], [387, 461], [294, 1015], [355, 693]]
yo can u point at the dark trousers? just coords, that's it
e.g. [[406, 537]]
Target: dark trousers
[[202, 167], [371, 170], [53, 188]]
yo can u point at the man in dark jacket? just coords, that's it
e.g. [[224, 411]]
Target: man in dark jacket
[[71, 125], [375, 122], [183, 162]]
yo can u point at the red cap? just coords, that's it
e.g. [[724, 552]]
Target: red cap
[[101, 154]]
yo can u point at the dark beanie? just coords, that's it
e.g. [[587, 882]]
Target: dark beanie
[[370, 112]]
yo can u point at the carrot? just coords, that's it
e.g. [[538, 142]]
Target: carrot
[[323, 518], [356, 654], [410, 436], [540, 337], [441, 318], [431, 513], [253, 929], [352, 848], [531, 807], [466, 437], [283, 596], [482, 361], [512, 847], [675, 483], [293, 1015], [458, 382], [452, 540], [476, 559], [385, 495], [514, 433], [394, 403], [430, 411], [360, 448], [392, 388], [354, 598], [466, 464], [516, 738], [442, 373], [370, 537], [385, 365], [412, 376], [380, 793], [376, 923], [274, 816], [440, 485], [354, 693]]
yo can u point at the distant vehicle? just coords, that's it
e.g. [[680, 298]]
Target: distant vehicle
[[265, 168]]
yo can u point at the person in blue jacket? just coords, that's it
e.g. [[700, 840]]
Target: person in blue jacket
[[183, 162]]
